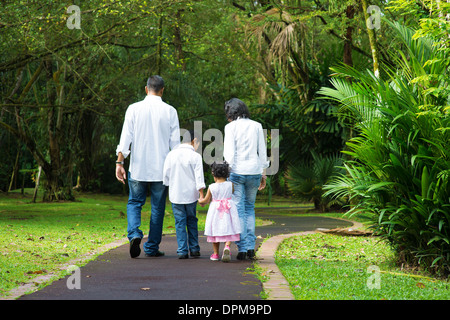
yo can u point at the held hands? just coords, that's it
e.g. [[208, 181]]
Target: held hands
[[202, 201]]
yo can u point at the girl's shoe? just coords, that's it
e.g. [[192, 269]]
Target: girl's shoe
[[226, 256], [214, 257]]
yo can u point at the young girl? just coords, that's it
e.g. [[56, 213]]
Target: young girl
[[222, 221]]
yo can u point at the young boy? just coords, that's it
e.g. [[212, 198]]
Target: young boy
[[183, 173]]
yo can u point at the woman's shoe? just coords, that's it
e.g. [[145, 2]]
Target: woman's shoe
[[214, 257], [226, 256], [241, 255]]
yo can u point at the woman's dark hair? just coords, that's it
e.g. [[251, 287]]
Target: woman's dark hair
[[220, 170], [236, 108]]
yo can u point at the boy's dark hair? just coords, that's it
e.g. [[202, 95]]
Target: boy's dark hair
[[220, 170], [188, 136], [236, 108], [155, 83]]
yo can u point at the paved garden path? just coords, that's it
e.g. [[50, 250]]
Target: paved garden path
[[114, 275]]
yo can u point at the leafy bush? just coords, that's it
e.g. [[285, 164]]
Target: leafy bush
[[400, 166], [306, 180]]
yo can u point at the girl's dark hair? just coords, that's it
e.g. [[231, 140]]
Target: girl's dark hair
[[220, 170], [236, 108]]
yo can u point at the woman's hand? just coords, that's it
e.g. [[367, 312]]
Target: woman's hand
[[262, 184]]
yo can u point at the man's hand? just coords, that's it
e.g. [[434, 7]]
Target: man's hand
[[121, 175]]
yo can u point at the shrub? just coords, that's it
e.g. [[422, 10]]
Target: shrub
[[306, 179], [400, 159]]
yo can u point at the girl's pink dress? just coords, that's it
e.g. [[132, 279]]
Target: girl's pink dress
[[222, 221]]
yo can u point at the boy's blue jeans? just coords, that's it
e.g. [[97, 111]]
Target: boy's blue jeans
[[136, 200], [245, 189], [186, 218]]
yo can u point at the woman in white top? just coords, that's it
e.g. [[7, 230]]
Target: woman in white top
[[245, 151]]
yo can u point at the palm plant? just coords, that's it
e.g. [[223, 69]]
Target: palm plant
[[400, 159], [306, 179]]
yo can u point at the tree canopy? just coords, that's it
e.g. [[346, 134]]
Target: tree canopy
[[69, 71]]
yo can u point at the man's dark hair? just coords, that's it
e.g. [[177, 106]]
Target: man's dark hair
[[220, 170], [236, 108], [155, 83]]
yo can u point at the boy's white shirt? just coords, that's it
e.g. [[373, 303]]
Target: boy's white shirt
[[183, 173]]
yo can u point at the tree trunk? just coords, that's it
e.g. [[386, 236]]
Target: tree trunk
[[14, 173], [178, 41], [348, 60], [372, 40], [36, 187], [158, 47], [89, 138], [55, 187]]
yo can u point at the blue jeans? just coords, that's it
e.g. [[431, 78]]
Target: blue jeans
[[245, 189], [185, 218], [136, 200]]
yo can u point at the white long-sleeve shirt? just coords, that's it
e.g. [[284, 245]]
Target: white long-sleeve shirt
[[152, 128], [183, 173], [244, 147]]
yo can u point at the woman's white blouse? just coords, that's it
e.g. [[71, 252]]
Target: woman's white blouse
[[245, 147]]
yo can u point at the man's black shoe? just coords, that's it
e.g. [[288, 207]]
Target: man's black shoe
[[183, 256], [251, 254], [135, 250], [156, 254], [241, 255]]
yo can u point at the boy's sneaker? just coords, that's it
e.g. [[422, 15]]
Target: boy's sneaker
[[214, 257], [226, 256]]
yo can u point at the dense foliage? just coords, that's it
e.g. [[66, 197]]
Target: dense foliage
[[399, 169]]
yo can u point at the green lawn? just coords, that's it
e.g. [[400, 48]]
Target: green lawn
[[332, 267]]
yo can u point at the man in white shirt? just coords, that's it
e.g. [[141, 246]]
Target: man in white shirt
[[152, 128], [183, 173]]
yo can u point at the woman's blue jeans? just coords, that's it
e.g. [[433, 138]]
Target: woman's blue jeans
[[136, 200], [245, 189], [186, 218]]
